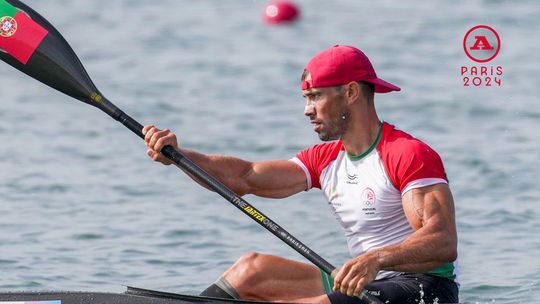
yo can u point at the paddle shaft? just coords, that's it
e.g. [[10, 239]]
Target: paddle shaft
[[183, 162]]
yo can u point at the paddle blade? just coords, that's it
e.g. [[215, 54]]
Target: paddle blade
[[29, 43]]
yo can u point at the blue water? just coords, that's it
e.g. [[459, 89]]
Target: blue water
[[83, 208]]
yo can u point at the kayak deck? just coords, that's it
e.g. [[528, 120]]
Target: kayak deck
[[133, 295]]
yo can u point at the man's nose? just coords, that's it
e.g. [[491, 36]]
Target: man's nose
[[309, 110]]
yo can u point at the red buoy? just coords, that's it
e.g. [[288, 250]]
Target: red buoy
[[280, 11]]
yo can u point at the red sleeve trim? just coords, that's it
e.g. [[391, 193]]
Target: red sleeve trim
[[407, 159], [316, 158]]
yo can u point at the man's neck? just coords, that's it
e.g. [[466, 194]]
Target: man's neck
[[361, 134]]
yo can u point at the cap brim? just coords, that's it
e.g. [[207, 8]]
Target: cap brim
[[382, 86]]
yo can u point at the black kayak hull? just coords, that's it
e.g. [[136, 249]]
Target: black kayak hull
[[132, 295]]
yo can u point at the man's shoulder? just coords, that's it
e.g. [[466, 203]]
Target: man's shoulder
[[316, 158], [321, 154], [408, 159], [327, 147], [322, 150], [396, 141]]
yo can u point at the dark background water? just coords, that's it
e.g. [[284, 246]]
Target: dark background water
[[83, 208]]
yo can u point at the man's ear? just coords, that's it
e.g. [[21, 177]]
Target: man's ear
[[353, 91]]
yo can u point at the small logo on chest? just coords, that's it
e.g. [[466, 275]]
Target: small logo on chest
[[351, 179], [368, 200]]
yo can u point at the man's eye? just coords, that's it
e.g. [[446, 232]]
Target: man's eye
[[312, 96]]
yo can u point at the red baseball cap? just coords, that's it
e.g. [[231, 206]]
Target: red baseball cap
[[340, 65]]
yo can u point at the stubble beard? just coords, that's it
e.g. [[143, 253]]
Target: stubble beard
[[336, 127]]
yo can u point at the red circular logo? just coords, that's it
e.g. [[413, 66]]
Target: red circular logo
[[482, 43]]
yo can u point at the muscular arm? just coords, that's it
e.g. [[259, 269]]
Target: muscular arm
[[273, 179], [430, 212]]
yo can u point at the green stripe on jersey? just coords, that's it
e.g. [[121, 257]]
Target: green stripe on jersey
[[445, 271], [373, 145], [328, 282]]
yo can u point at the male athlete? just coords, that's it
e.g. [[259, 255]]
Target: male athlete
[[387, 189]]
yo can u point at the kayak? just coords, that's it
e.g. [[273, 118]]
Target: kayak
[[132, 295]]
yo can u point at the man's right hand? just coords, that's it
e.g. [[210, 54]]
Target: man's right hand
[[156, 139]]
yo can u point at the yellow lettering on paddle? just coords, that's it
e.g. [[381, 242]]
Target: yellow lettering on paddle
[[255, 213]]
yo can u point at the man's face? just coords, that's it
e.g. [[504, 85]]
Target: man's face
[[326, 107]]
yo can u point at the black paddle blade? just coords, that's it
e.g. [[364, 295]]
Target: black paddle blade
[[33, 46]]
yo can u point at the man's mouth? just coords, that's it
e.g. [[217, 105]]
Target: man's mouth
[[316, 125]]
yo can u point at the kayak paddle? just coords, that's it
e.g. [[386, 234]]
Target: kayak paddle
[[29, 43]]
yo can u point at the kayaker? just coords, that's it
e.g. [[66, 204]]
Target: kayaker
[[388, 190]]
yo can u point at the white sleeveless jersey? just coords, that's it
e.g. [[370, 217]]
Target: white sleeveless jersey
[[365, 191]]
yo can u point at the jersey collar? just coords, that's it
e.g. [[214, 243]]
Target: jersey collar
[[373, 145]]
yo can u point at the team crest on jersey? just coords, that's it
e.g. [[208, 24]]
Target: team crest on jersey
[[368, 200], [8, 26], [368, 197]]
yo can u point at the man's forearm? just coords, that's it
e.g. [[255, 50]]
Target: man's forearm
[[411, 267], [430, 211], [230, 171], [418, 253]]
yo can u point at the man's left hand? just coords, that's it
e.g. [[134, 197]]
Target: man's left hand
[[356, 273]]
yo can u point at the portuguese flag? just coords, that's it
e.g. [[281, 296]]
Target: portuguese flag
[[20, 36]]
